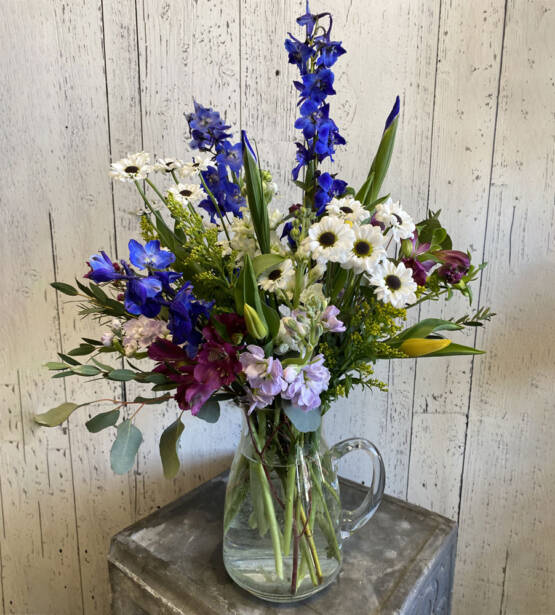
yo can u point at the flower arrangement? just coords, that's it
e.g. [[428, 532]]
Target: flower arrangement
[[281, 308]]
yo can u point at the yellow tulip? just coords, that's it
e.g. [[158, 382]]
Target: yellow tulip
[[420, 347]]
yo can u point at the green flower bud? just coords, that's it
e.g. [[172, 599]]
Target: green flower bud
[[406, 247], [255, 326]]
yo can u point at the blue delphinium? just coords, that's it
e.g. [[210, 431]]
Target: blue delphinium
[[313, 58], [149, 255], [185, 312], [208, 133], [102, 269]]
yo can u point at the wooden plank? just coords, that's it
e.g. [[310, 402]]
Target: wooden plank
[[186, 50], [467, 75], [506, 557]]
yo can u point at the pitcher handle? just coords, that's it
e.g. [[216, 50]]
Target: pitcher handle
[[352, 520]]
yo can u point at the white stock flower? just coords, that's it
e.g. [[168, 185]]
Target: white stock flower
[[394, 284], [140, 333], [167, 165], [187, 193], [347, 208], [280, 277], [396, 219], [329, 240], [367, 249], [134, 167]]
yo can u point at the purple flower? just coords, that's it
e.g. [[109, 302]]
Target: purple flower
[[330, 322], [102, 269], [231, 156], [263, 374], [186, 311], [393, 114], [206, 127], [328, 188], [419, 269], [455, 265], [257, 399], [150, 255], [306, 383]]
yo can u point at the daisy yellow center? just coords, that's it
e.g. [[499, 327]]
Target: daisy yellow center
[[393, 282], [327, 239], [362, 248], [131, 169], [275, 274], [346, 210]]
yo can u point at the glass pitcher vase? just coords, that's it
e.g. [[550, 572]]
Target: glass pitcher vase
[[283, 522]]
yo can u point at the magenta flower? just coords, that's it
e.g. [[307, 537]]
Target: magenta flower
[[420, 269], [330, 321], [306, 383]]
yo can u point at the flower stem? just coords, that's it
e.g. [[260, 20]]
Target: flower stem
[[311, 544], [160, 195], [288, 514]]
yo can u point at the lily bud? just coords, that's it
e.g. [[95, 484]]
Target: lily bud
[[420, 347], [407, 247], [255, 326]]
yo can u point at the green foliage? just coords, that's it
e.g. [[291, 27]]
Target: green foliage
[[255, 198], [210, 412], [102, 421], [168, 448], [125, 447], [303, 421], [67, 289], [56, 416]]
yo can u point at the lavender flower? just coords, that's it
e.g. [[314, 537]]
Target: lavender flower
[[306, 383], [263, 374], [330, 321]]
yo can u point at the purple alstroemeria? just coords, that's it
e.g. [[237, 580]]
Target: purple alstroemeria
[[306, 383], [329, 320], [420, 269], [455, 265], [149, 255], [102, 269], [263, 374]]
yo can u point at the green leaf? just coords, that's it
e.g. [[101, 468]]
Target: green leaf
[[85, 370], [423, 329], [168, 448], [154, 378], [380, 164], [88, 340], [152, 400], [210, 412], [68, 359], [454, 350], [304, 421], [121, 375], [102, 421], [264, 261], [83, 349], [83, 288], [67, 289], [272, 318], [56, 416], [63, 374], [99, 293], [103, 366], [255, 197], [53, 365], [362, 194], [125, 447], [165, 387]]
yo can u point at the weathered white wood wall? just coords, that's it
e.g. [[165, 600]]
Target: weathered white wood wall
[[86, 81]]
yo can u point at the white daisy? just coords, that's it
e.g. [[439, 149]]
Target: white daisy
[[396, 220], [201, 161], [367, 249], [329, 240], [167, 165], [394, 284], [279, 277], [347, 208], [132, 168], [187, 193]]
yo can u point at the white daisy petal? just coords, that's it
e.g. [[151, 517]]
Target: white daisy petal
[[396, 220], [187, 193], [201, 161], [280, 277], [347, 208], [167, 165], [367, 250], [134, 167], [329, 240], [394, 284]]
